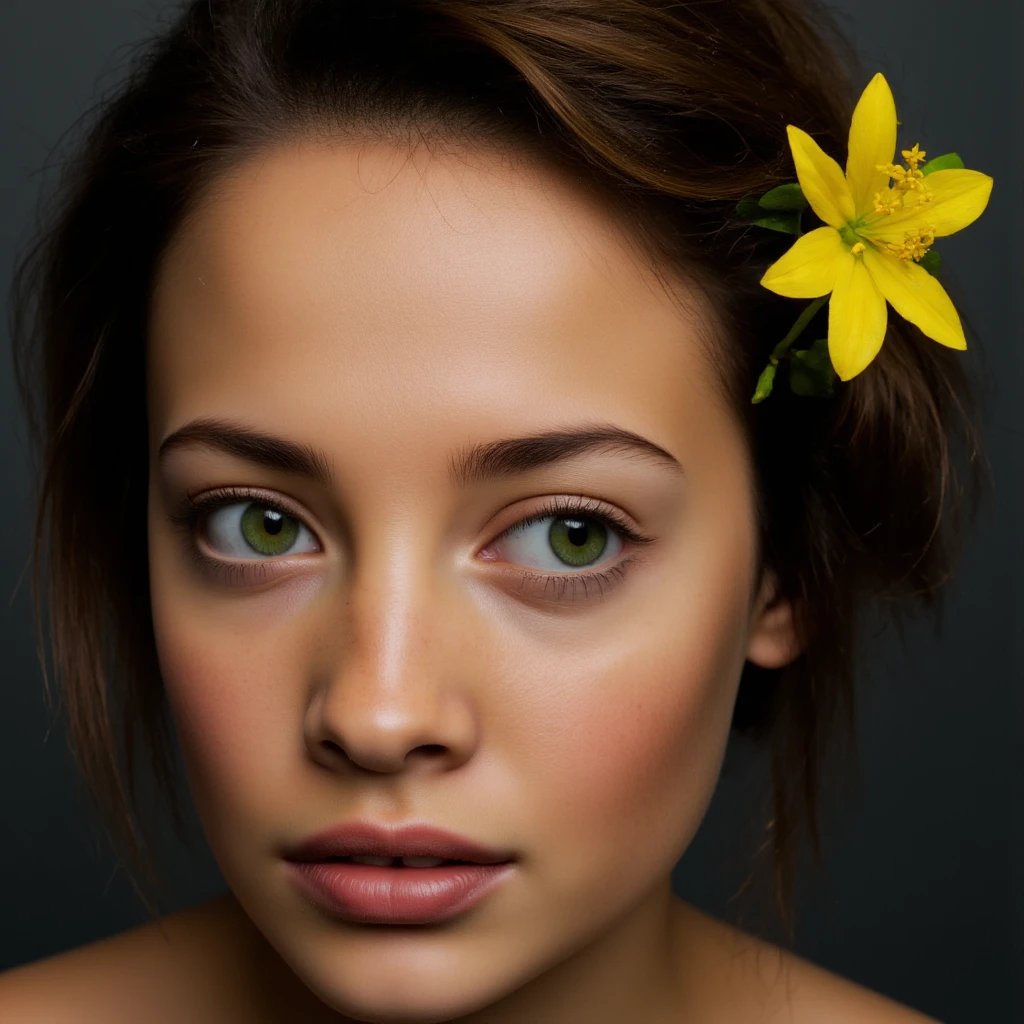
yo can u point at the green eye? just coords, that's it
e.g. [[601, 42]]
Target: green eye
[[253, 530], [578, 541], [267, 530]]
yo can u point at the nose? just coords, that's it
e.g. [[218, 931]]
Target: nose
[[396, 691]]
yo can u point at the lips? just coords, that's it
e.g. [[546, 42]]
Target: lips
[[355, 872], [367, 839]]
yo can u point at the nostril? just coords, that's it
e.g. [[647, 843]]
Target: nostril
[[338, 754]]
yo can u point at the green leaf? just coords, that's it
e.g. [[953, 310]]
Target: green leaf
[[764, 384], [932, 262], [946, 162], [749, 208], [811, 371], [785, 197], [787, 223], [784, 218]]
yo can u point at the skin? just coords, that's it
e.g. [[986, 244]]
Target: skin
[[390, 307]]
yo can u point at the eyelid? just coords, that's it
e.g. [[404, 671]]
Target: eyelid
[[193, 506], [191, 512], [566, 505]]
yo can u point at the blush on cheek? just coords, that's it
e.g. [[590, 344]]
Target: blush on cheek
[[214, 702], [227, 662], [231, 697], [646, 764]]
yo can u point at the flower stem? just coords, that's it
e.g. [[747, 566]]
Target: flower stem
[[797, 329]]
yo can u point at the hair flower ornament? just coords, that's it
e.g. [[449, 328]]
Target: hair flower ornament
[[880, 220]]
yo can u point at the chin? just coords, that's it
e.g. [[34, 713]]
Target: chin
[[425, 993]]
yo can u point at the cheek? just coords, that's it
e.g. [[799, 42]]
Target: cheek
[[629, 774], [228, 679], [218, 709]]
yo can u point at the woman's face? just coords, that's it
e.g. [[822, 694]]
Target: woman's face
[[364, 344]]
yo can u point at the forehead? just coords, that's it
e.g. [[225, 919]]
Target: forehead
[[338, 288]]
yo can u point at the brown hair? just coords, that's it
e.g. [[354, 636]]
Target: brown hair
[[674, 111]]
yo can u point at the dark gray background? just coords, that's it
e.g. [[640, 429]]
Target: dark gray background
[[921, 897]]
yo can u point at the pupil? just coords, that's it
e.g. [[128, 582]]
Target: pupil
[[577, 532], [272, 521]]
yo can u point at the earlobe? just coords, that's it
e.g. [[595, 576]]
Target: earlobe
[[773, 640]]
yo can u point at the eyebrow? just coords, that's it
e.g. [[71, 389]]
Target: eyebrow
[[485, 461], [253, 446], [513, 455]]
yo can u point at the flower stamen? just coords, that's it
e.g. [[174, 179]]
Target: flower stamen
[[888, 204], [904, 179], [914, 156], [915, 246]]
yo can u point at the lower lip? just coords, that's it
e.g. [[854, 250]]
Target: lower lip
[[367, 894]]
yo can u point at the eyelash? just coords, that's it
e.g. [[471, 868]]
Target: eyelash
[[193, 509]]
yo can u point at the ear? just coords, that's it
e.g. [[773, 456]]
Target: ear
[[772, 640]]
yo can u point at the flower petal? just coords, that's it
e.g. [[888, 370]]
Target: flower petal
[[958, 198], [821, 179], [872, 142], [916, 296], [809, 268], [856, 319]]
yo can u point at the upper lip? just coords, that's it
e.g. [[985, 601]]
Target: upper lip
[[368, 839]]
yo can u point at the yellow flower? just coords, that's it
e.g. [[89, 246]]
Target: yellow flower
[[875, 234]]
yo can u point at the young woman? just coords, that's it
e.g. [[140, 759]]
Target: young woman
[[393, 362]]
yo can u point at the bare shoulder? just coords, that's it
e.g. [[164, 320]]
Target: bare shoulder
[[162, 970], [744, 978]]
